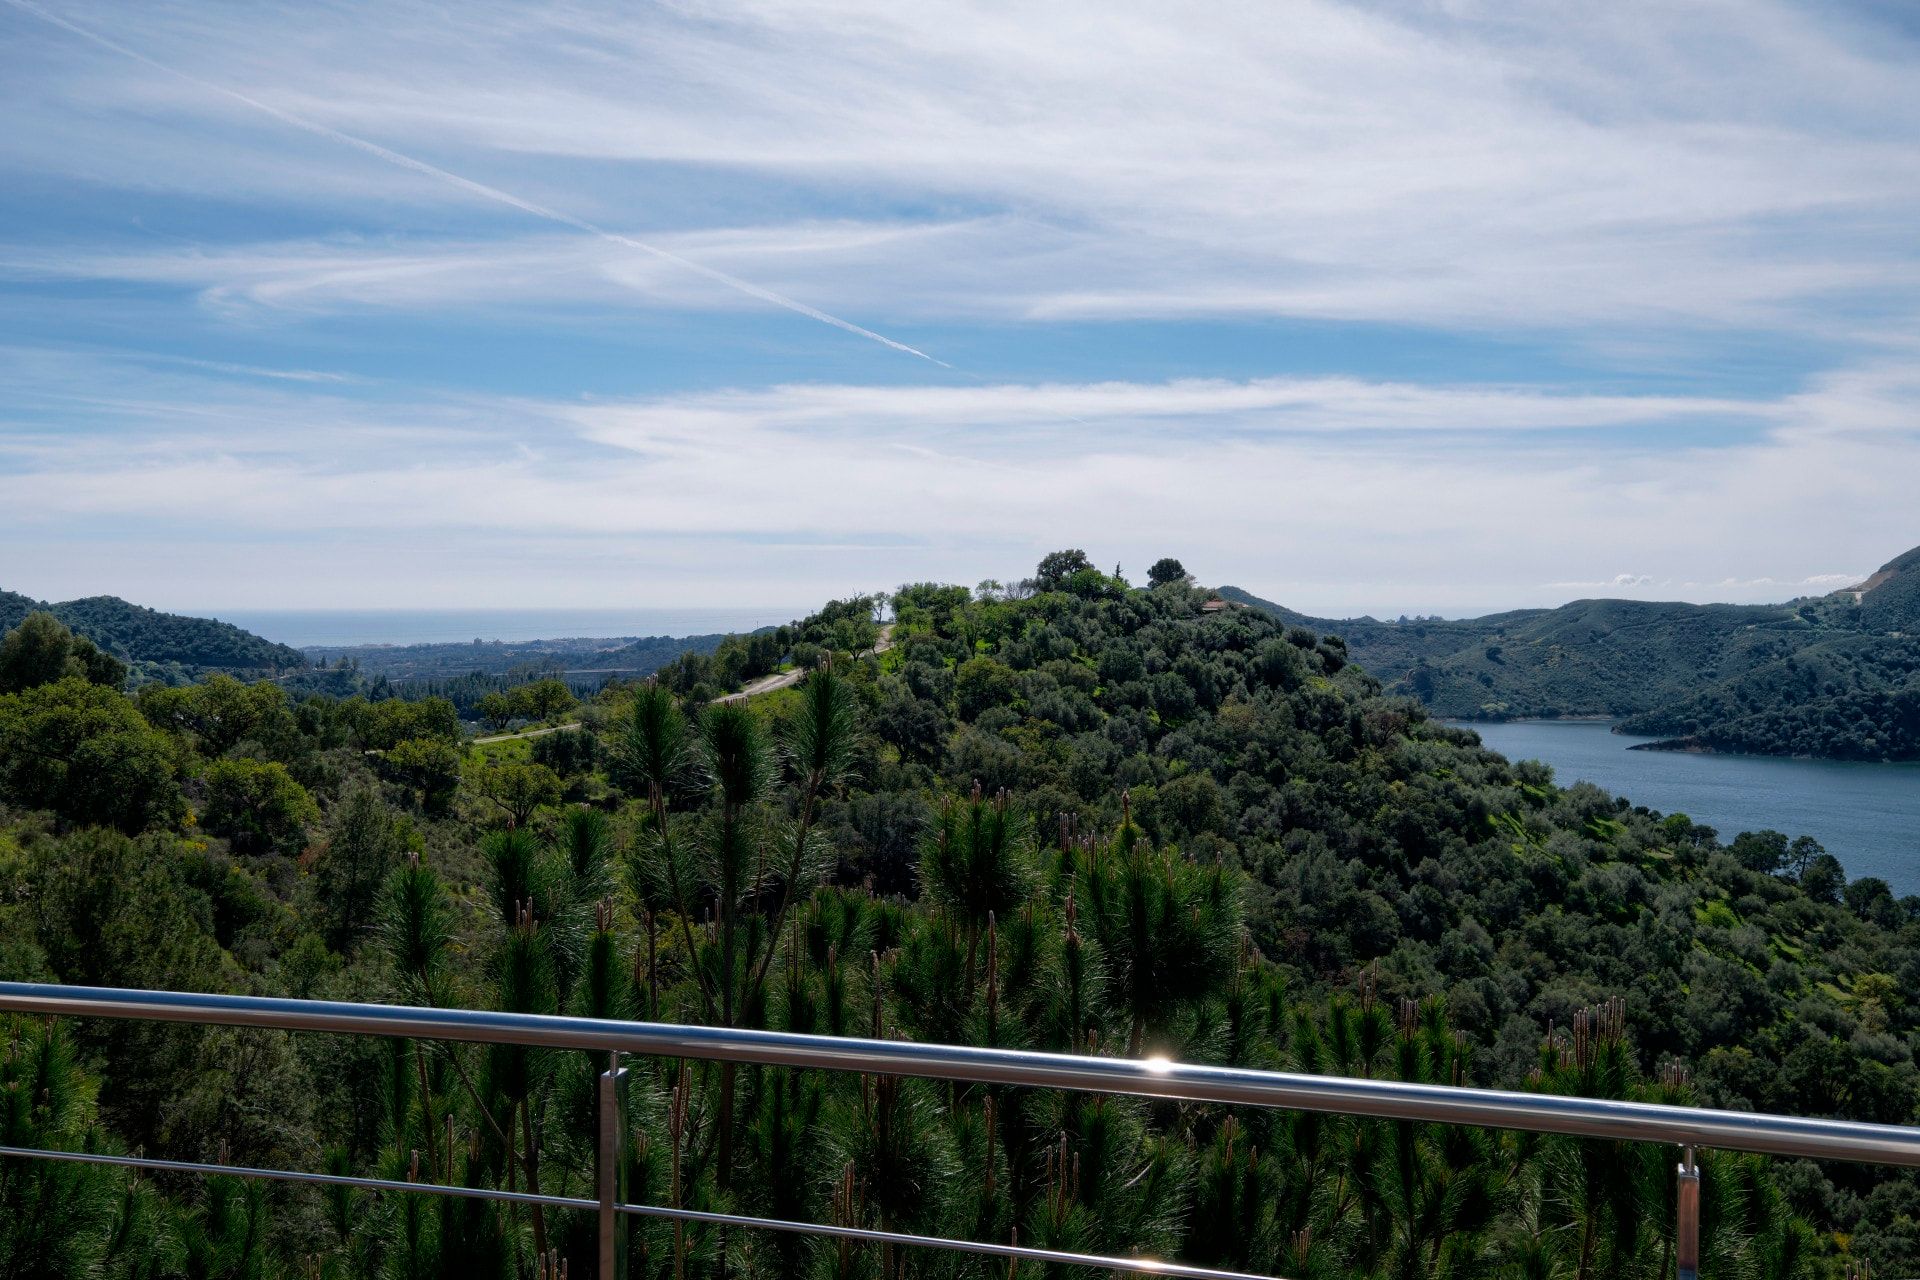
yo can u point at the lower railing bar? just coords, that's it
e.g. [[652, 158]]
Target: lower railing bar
[[291, 1175], [1138, 1266], [1144, 1266]]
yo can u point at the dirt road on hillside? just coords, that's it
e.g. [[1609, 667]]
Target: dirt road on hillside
[[765, 684]]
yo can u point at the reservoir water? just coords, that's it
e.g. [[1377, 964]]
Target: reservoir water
[[1867, 815]]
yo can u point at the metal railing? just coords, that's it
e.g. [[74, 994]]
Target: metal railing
[[1686, 1128]]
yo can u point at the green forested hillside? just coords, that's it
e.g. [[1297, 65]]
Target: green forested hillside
[[650, 653], [159, 642], [1850, 697], [1091, 818], [1837, 677]]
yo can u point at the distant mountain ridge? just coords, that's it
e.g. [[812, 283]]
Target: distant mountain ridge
[[1833, 676], [627, 656], [152, 640]]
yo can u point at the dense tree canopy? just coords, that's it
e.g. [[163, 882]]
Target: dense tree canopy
[[1082, 818], [40, 650], [1165, 572], [257, 806], [82, 750], [1058, 566]]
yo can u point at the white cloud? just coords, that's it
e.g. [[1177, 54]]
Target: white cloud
[[1316, 492]]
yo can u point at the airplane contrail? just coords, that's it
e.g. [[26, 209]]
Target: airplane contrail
[[481, 189]]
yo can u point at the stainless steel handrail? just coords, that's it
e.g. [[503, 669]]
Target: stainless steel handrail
[[1195, 1082], [1684, 1127]]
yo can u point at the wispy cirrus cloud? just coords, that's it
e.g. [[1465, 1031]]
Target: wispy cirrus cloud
[[1458, 164], [340, 274], [1208, 408], [469, 186], [1647, 586]]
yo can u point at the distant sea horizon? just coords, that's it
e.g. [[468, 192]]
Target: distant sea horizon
[[324, 628]]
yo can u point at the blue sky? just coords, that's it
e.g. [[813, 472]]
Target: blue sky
[[1429, 307]]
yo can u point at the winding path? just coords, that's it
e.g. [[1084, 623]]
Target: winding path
[[765, 684], [524, 733]]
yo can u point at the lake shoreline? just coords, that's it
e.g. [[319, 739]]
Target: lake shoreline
[[1866, 813], [1592, 719]]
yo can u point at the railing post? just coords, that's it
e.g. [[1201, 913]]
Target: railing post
[[1686, 1218], [613, 1169]]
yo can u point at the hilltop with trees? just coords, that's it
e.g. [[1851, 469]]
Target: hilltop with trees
[[163, 646], [1069, 814]]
